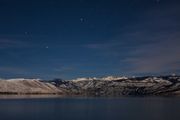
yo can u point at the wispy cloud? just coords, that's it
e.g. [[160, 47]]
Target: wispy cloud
[[162, 56], [11, 43], [100, 45], [150, 45], [12, 70], [161, 53], [64, 69]]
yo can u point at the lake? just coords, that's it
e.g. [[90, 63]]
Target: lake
[[59, 108]]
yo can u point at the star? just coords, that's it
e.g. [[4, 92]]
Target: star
[[81, 19], [47, 47]]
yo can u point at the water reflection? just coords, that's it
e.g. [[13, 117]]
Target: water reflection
[[90, 109]]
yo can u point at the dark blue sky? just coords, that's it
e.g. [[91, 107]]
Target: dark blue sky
[[82, 38]]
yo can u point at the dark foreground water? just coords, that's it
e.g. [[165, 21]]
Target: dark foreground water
[[90, 109]]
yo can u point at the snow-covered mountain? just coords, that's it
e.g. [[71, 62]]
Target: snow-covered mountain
[[26, 86], [118, 86], [102, 78], [105, 86]]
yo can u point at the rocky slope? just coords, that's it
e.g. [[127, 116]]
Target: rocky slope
[[119, 86], [107, 86]]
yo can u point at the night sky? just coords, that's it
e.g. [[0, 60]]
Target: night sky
[[84, 38]]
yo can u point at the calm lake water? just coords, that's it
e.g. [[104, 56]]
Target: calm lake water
[[132, 108]]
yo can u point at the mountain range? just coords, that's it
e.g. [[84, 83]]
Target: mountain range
[[109, 86]]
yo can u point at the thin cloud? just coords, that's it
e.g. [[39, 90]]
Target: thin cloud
[[161, 53], [14, 70], [63, 70], [10, 43], [150, 45], [162, 56], [100, 45]]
